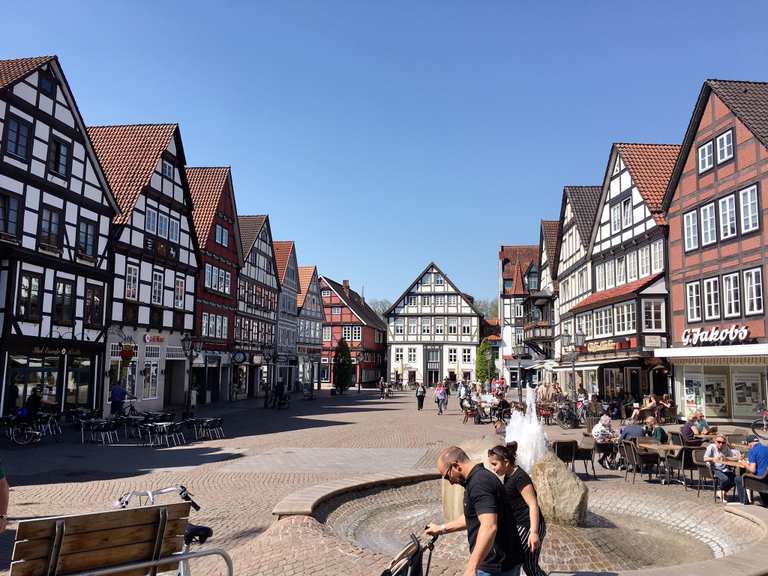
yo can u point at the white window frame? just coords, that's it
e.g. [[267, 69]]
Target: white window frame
[[453, 326], [326, 333], [439, 326], [411, 354], [727, 207], [357, 333], [326, 293], [693, 301], [168, 167], [610, 276], [624, 317], [691, 230], [398, 354], [657, 256], [452, 355], [599, 278], [621, 271], [466, 355], [174, 229], [159, 300], [411, 300], [149, 388], [426, 326], [603, 322], [438, 280], [150, 224], [335, 310], [654, 305], [162, 224], [399, 327], [179, 296], [346, 333], [626, 213], [644, 261], [753, 291], [131, 282], [631, 266], [452, 300], [413, 327], [724, 145], [466, 326], [749, 215], [711, 295], [706, 156], [708, 224], [616, 218], [731, 295], [204, 324], [439, 300]]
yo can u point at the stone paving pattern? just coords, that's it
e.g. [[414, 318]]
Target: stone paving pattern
[[238, 480]]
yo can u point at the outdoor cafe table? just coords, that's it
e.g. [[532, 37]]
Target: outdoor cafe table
[[662, 450]]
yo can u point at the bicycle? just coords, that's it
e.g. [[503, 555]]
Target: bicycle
[[21, 430], [566, 416], [193, 534], [760, 425], [410, 560]]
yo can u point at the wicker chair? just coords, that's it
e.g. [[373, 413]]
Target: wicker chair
[[758, 484]]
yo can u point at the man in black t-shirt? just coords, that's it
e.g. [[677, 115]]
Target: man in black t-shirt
[[493, 541]]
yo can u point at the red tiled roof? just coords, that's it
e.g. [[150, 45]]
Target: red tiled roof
[[129, 154], [283, 250], [515, 263], [651, 167], [615, 294], [13, 70], [550, 230], [206, 185], [305, 279], [518, 282]]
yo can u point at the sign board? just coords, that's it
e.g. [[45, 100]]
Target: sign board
[[257, 359], [602, 346], [239, 357], [734, 334], [153, 339], [653, 342]]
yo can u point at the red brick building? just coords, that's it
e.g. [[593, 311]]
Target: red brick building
[[346, 315], [718, 249], [217, 230]]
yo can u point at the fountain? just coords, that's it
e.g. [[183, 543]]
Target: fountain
[[527, 431]]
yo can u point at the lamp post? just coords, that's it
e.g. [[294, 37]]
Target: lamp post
[[574, 342], [519, 351], [191, 351]]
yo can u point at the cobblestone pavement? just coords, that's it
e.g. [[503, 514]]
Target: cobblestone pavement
[[237, 480]]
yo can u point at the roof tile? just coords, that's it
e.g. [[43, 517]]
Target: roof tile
[[250, 228], [283, 250], [748, 101], [305, 279], [357, 304], [206, 185], [585, 202], [615, 294], [13, 70], [515, 263], [651, 167], [551, 229]]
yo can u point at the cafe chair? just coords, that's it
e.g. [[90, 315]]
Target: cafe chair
[[705, 472], [757, 484], [566, 451], [585, 453], [638, 459]]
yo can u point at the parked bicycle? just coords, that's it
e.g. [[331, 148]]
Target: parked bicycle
[[20, 429], [566, 417]]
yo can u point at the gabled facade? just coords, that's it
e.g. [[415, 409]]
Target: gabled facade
[[310, 327], [55, 212], [258, 288], [218, 232], [346, 315], [518, 271], [716, 209], [433, 331], [288, 315], [156, 256], [624, 318]]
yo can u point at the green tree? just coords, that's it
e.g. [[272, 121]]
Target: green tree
[[342, 367], [485, 363]]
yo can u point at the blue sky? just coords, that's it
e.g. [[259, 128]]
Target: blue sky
[[383, 135]]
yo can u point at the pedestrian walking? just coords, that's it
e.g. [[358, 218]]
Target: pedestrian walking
[[521, 496], [491, 532], [421, 392], [382, 388], [441, 398], [117, 396]]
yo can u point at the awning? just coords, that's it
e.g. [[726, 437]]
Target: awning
[[546, 364], [594, 364], [713, 351]]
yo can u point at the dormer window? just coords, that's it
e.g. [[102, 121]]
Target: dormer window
[[168, 169], [45, 84]]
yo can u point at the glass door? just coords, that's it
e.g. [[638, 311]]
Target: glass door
[[78, 382]]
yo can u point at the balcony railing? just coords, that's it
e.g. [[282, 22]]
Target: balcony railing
[[538, 331]]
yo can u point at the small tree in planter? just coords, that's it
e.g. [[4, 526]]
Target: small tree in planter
[[485, 367], [342, 367]]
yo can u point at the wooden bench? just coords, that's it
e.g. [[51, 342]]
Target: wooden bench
[[130, 542]]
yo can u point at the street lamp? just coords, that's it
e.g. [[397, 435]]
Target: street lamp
[[519, 350], [191, 351], [574, 342]]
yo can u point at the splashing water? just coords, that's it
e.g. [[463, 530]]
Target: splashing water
[[527, 431]]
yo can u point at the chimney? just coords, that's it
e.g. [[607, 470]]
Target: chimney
[[346, 287]]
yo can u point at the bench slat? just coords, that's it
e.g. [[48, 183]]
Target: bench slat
[[46, 527], [85, 541]]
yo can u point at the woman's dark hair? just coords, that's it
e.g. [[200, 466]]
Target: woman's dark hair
[[508, 452]]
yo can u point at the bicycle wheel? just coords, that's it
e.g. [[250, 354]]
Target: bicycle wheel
[[562, 420], [23, 435], [760, 428]]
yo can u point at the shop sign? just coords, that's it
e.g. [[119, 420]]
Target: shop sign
[[653, 342], [153, 339], [239, 357], [715, 335], [257, 359], [602, 346]]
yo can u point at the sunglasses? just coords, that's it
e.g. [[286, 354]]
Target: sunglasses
[[719, 441], [447, 475]]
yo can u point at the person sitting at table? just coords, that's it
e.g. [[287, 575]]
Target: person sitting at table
[[702, 426], [503, 407], [649, 407], [655, 431], [631, 430], [688, 431], [716, 454], [755, 463], [604, 436], [663, 406]]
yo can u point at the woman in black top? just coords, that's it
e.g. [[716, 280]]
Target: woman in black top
[[521, 495]]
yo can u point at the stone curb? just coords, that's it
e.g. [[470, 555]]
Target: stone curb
[[752, 561], [304, 502]]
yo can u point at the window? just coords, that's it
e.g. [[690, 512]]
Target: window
[[644, 261], [131, 282], [222, 235], [603, 322], [731, 295], [412, 327], [357, 333], [162, 225], [610, 280], [653, 316], [150, 377], [624, 315], [150, 220], [426, 326], [399, 328], [693, 297], [157, 288], [753, 291], [466, 326], [439, 300], [50, 228], [204, 327], [582, 280], [438, 280], [426, 280], [657, 256], [168, 169], [17, 137], [426, 300], [621, 275], [411, 300], [58, 157], [346, 333], [631, 266], [507, 285], [453, 325], [64, 303], [94, 305], [30, 297], [584, 324], [452, 300], [411, 354], [86, 238], [711, 299], [727, 217], [9, 215], [398, 354], [616, 218], [325, 293], [708, 225], [626, 213], [45, 84], [452, 355], [326, 333], [178, 293], [724, 146], [749, 216], [466, 355], [705, 157], [600, 277]]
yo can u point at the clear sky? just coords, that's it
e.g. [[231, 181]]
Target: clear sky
[[380, 135]]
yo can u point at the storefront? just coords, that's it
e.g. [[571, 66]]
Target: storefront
[[726, 383], [250, 375]]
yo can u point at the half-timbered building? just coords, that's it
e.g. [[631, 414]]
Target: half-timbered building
[[218, 232], [718, 233], [256, 320], [433, 331], [310, 328], [624, 318], [347, 315], [518, 270], [55, 213], [156, 259], [287, 317]]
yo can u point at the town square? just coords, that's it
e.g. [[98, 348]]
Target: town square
[[382, 289]]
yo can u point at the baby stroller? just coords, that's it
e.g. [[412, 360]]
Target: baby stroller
[[409, 561]]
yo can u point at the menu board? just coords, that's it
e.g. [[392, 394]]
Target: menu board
[[715, 396], [748, 393]]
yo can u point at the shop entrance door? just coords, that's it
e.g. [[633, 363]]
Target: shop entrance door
[[633, 383], [78, 383], [433, 377]]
